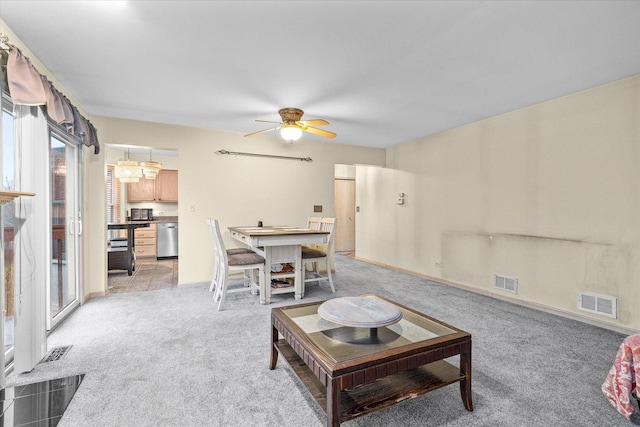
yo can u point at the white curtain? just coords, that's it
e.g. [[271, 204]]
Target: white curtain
[[33, 236]]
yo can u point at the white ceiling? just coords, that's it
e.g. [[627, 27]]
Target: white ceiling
[[381, 72]]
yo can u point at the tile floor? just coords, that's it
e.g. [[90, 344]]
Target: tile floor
[[149, 274], [38, 404]]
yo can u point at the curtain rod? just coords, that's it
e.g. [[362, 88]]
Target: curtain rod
[[270, 156]]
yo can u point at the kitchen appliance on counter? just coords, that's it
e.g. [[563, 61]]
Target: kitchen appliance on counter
[[141, 214], [167, 240]]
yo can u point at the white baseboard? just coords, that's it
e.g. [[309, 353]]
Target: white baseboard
[[529, 304]]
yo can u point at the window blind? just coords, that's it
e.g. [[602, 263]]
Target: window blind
[[114, 203]]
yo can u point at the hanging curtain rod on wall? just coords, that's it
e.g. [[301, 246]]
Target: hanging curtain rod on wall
[[270, 156]]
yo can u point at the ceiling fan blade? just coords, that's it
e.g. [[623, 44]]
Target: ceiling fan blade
[[314, 122], [263, 131], [320, 132], [267, 121]]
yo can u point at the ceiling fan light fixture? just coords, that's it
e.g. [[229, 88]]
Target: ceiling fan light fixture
[[291, 133], [292, 125]]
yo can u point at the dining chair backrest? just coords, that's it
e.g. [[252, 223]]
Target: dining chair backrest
[[225, 262], [220, 254], [328, 224], [217, 239], [313, 223], [323, 252]]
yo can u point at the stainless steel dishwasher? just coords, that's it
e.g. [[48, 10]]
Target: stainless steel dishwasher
[[167, 240]]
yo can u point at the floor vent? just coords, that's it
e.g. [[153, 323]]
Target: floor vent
[[56, 353], [598, 304], [506, 283]]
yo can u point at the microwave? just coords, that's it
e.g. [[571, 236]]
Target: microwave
[[141, 214]]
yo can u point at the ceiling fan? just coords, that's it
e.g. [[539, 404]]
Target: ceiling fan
[[292, 127]]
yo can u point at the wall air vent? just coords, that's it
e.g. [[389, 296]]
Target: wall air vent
[[506, 283], [598, 304]]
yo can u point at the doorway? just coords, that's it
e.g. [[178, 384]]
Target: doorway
[[345, 207], [156, 196]]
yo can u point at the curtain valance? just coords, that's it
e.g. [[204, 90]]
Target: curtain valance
[[28, 87]]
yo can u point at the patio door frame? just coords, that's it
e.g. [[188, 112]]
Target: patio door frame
[[73, 222], [6, 356], [34, 239]]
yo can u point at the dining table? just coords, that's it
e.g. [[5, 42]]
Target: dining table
[[281, 247]]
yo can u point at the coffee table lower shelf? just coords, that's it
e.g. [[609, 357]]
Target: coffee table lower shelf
[[379, 394]]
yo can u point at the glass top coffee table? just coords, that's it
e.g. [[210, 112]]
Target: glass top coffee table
[[351, 372]]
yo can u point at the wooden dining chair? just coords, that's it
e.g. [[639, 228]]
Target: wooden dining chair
[[226, 261], [313, 255], [313, 222], [232, 251]]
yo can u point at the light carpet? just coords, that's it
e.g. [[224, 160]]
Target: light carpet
[[167, 358]]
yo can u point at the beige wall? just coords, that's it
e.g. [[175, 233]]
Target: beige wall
[[549, 194], [237, 190]]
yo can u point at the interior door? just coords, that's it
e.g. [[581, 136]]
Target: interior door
[[66, 228], [345, 206]]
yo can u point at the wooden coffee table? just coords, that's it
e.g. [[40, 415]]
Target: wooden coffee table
[[351, 372]]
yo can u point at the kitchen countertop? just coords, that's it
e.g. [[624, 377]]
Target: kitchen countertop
[[165, 219], [158, 219], [127, 224]]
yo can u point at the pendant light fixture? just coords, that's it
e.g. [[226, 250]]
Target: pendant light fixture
[[150, 169], [128, 170]]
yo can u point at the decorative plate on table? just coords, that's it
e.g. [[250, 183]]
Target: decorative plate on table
[[360, 312]]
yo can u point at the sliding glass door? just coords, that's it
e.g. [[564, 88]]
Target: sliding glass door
[[66, 227]]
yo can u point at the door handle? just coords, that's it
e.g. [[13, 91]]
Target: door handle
[[79, 228]]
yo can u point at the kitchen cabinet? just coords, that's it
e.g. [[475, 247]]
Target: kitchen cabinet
[[145, 242], [164, 188], [142, 191], [167, 186]]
